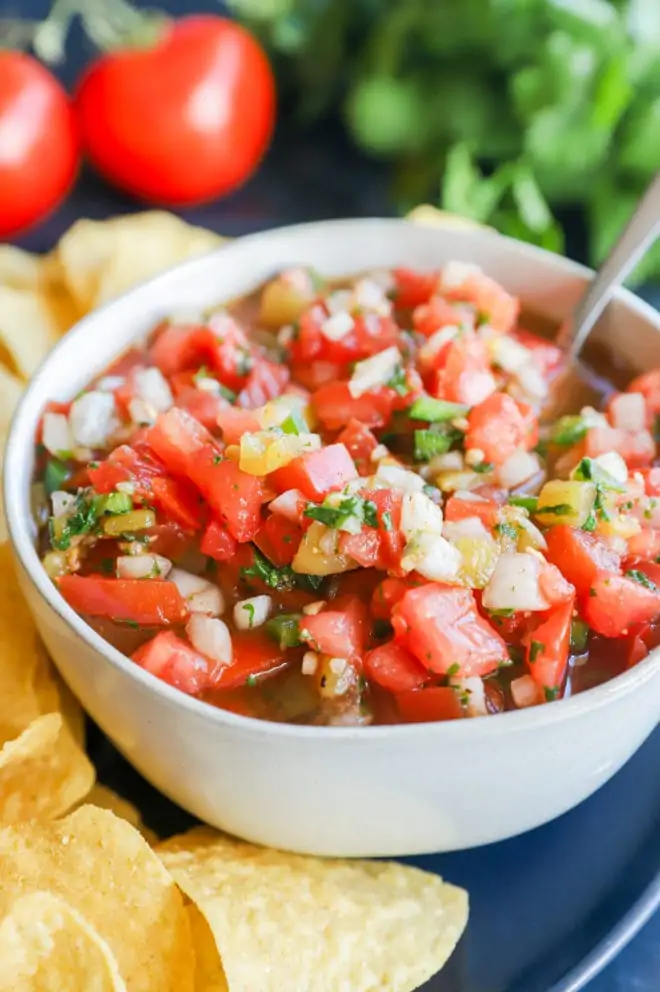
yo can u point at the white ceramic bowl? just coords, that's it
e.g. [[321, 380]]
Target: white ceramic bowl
[[334, 791]]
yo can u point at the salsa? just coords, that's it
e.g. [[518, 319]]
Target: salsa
[[341, 503]]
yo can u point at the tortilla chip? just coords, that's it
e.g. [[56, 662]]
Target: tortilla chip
[[209, 973], [105, 798], [47, 946], [101, 259], [27, 685], [104, 869], [19, 269], [433, 217], [10, 393], [27, 329], [284, 921], [43, 773]]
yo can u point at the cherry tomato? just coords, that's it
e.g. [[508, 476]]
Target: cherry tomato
[[39, 153], [185, 120]]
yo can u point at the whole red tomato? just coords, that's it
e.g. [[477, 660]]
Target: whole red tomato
[[38, 143], [185, 120]]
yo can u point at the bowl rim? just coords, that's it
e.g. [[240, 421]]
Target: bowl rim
[[20, 441]]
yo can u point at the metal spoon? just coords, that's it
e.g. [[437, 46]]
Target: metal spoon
[[638, 235]]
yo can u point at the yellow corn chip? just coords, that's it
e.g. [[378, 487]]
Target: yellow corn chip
[[284, 921], [105, 798]]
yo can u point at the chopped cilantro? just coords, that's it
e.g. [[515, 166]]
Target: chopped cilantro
[[593, 593], [482, 467], [506, 529], [361, 510], [107, 565], [568, 430], [251, 681], [283, 579], [453, 669], [130, 623], [528, 503], [387, 520], [436, 411], [642, 578], [579, 636], [217, 459], [559, 509], [551, 693], [590, 523], [502, 613], [398, 381], [82, 519], [535, 649], [589, 470]]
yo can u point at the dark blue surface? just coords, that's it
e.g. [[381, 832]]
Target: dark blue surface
[[547, 908]]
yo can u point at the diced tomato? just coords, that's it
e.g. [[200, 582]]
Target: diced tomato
[[615, 602], [462, 373], [312, 375], [651, 477], [386, 595], [176, 662], [642, 638], [150, 602], [217, 542], [442, 627], [430, 705], [648, 384], [279, 538], [338, 632], [547, 357], [645, 544], [487, 510], [490, 299], [360, 442], [547, 648], [553, 586], [317, 473], [649, 568], [580, 556], [436, 313], [254, 654], [176, 349], [188, 449], [234, 357], [234, 423], [364, 548], [500, 426], [369, 335], [334, 406], [394, 668], [388, 510], [170, 540], [412, 289], [637, 448], [203, 406], [265, 382]]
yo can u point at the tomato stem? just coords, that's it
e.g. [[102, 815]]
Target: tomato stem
[[109, 24]]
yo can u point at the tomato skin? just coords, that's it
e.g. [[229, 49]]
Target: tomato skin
[[431, 705], [498, 307], [217, 542], [140, 119], [547, 356], [487, 510], [254, 654], [412, 289], [38, 126], [500, 426], [614, 603], [360, 443], [334, 406], [441, 626], [579, 556], [176, 662], [364, 548], [316, 474], [393, 668], [648, 384], [547, 664], [386, 595], [234, 423], [637, 448], [462, 373], [265, 382], [149, 602], [278, 538], [338, 632], [645, 544]]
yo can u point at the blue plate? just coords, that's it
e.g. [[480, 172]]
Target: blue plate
[[549, 909]]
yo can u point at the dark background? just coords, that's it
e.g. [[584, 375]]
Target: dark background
[[308, 175]]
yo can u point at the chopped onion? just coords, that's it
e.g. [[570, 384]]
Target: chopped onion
[[211, 638], [473, 689], [525, 692], [614, 465], [147, 566], [92, 418], [310, 663], [509, 354], [201, 596], [436, 343], [253, 612], [518, 468], [419, 514], [628, 411], [470, 527], [56, 434], [152, 387], [397, 477], [109, 383], [531, 536], [289, 505], [433, 557], [61, 502], [369, 295], [454, 274], [514, 585], [374, 372], [337, 326]]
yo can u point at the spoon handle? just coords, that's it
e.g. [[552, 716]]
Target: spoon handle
[[640, 232]]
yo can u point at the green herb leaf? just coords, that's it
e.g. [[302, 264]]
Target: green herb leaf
[[568, 430], [55, 475], [536, 648], [528, 503], [398, 382], [642, 578]]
